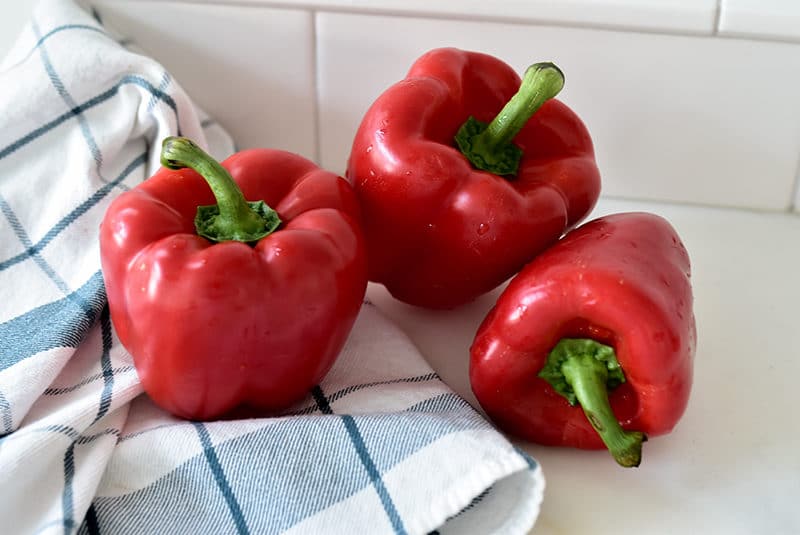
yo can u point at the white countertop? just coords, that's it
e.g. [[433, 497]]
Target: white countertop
[[732, 465]]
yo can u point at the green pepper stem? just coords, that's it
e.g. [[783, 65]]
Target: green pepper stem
[[542, 82], [489, 146], [583, 370], [232, 218], [587, 377]]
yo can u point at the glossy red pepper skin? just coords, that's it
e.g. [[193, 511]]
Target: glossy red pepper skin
[[622, 280], [439, 232], [212, 326]]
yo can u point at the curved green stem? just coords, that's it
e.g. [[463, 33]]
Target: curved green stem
[[489, 146], [232, 218], [582, 371]]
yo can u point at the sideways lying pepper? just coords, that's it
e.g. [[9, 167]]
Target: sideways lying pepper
[[592, 343], [465, 173], [236, 303]]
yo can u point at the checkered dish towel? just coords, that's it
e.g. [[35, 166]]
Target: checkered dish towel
[[381, 446]]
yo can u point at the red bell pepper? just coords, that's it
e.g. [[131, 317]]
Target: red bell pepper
[[592, 343], [235, 303], [465, 173]]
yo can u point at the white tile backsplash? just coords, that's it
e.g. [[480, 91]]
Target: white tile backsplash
[[763, 19], [702, 117], [250, 68], [673, 16], [674, 118]]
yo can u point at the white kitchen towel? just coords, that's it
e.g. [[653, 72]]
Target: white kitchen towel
[[381, 446]]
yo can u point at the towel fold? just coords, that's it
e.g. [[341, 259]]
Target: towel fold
[[381, 446]]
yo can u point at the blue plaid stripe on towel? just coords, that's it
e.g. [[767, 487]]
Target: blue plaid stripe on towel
[[381, 446]]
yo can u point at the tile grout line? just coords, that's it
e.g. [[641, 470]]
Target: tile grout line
[[350, 9], [715, 31], [315, 89], [795, 190]]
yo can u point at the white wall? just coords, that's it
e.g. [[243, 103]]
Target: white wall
[[687, 100]]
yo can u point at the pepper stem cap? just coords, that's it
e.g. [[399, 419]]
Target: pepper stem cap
[[583, 370], [232, 218], [489, 146]]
